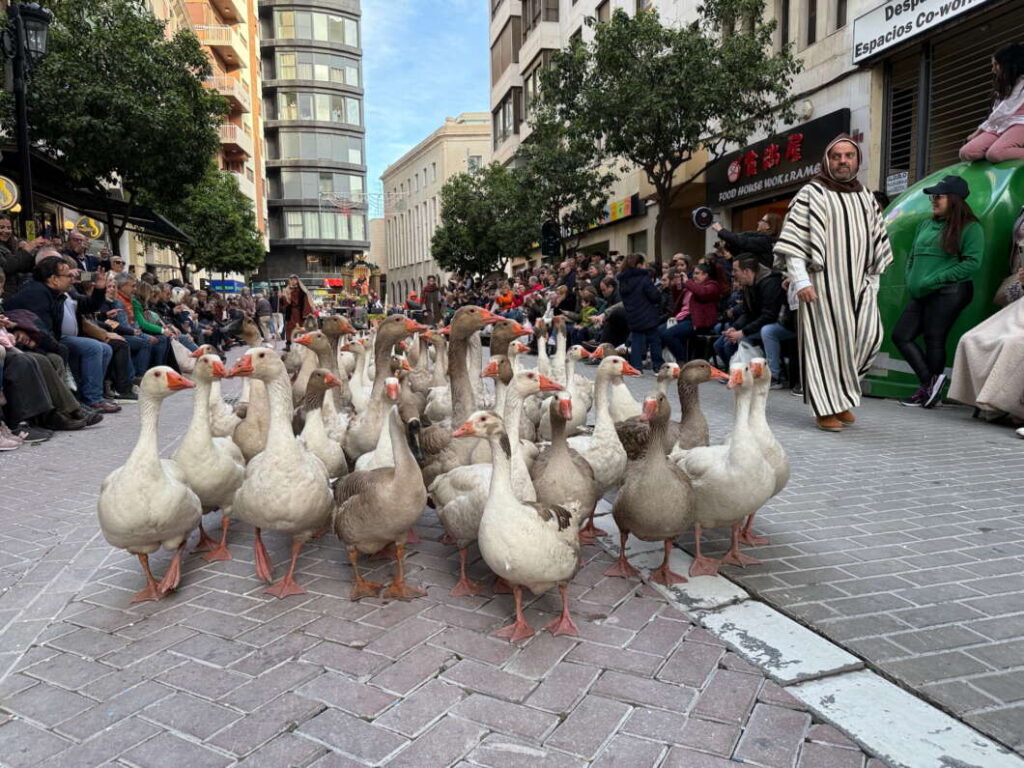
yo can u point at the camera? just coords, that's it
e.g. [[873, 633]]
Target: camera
[[702, 217]]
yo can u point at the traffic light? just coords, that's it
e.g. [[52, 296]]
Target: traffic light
[[550, 238]]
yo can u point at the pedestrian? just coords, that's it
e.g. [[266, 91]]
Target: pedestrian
[[697, 310], [948, 249], [296, 305], [758, 244], [833, 247], [642, 302], [432, 300], [1001, 136], [263, 313]]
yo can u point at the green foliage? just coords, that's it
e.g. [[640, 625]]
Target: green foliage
[[488, 218], [655, 96], [121, 104], [564, 172], [221, 222]]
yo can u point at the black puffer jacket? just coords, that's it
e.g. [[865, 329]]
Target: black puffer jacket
[[757, 245], [762, 302], [641, 300]]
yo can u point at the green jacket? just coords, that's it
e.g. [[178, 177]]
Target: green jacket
[[140, 320], [930, 268]]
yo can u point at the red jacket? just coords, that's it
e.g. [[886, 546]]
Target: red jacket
[[704, 302]]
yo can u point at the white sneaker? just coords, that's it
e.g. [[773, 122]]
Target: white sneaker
[[1019, 432]]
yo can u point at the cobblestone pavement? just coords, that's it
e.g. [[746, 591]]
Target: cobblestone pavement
[[219, 673], [901, 539]]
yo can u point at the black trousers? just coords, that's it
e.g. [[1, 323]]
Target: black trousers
[[120, 369], [931, 317], [25, 388]]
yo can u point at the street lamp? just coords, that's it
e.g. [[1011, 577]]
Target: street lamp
[[24, 43]]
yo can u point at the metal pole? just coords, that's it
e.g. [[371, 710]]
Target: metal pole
[[21, 118]]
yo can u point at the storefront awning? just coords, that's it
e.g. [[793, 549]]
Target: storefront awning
[[49, 181]]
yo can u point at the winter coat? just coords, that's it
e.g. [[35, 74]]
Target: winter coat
[[754, 243], [641, 300], [704, 302], [762, 303]]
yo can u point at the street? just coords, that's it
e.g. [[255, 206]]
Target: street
[[896, 540]]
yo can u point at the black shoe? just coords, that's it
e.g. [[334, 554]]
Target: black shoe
[[917, 399], [89, 416], [30, 434], [130, 397], [797, 391], [779, 384], [62, 422], [934, 391]]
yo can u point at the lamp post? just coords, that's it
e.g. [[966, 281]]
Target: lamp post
[[24, 43]]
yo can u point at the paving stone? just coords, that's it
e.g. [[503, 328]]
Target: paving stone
[[443, 744], [105, 746], [500, 751], [287, 648], [88, 643], [47, 705], [656, 725], [612, 658], [684, 757], [354, 662], [190, 715], [490, 650], [168, 751], [644, 691], [729, 697], [829, 756], [708, 736], [939, 666], [261, 725], [659, 637], [635, 612], [353, 737], [285, 750], [212, 650], [483, 678], [773, 736], [413, 714], [628, 752], [344, 631], [691, 663], [505, 717], [563, 687], [338, 691], [68, 671], [413, 669], [104, 715], [588, 726], [25, 745], [540, 656], [270, 685], [1002, 724]]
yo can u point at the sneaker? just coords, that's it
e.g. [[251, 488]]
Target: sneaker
[[917, 399], [70, 380], [1020, 432], [30, 434], [8, 440], [130, 397], [797, 391], [935, 391], [779, 384]]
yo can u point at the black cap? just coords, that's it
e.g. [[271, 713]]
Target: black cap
[[950, 185]]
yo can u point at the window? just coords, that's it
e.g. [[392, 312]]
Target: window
[[812, 21], [324, 67], [507, 116], [604, 11], [531, 82], [293, 225], [505, 50], [784, 22], [314, 25], [284, 22], [537, 11], [311, 185], [840, 14], [319, 146], [322, 107], [433, 172], [473, 163], [324, 224]]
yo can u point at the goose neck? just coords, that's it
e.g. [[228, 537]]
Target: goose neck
[[199, 427], [279, 396], [145, 457], [501, 475]]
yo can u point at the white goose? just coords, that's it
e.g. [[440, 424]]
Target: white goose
[[213, 466], [621, 403], [579, 388], [223, 418], [770, 447], [315, 435], [286, 487], [527, 544], [145, 503]]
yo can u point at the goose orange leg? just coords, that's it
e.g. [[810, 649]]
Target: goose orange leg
[[665, 575], [734, 556], [361, 587], [518, 629], [152, 590], [589, 531], [412, 537], [501, 587], [702, 566], [464, 587], [287, 585], [206, 542], [220, 552], [564, 625], [264, 569], [399, 589], [748, 537], [173, 575], [622, 568]]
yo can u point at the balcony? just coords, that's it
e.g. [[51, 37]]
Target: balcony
[[234, 139], [235, 91], [233, 11], [226, 42], [247, 185]]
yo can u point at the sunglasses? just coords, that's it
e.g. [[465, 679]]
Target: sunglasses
[[936, 197]]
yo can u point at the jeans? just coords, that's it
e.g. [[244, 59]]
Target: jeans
[[931, 316], [186, 341], [725, 349], [141, 351], [676, 338], [772, 336], [89, 361], [639, 341]]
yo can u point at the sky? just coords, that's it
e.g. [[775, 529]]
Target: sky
[[423, 60]]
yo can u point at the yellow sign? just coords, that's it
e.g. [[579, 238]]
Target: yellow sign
[[89, 227], [8, 194]]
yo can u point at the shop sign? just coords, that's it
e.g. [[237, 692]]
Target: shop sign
[[897, 183], [625, 208], [333, 282], [226, 286], [8, 194], [89, 227], [899, 20], [776, 163]]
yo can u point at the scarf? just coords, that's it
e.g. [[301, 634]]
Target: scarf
[[825, 178]]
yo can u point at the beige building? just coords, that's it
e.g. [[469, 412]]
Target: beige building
[[412, 189]]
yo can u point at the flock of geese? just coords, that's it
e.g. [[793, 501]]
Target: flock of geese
[[358, 434]]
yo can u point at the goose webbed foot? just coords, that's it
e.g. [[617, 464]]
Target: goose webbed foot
[[206, 542], [173, 576], [518, 629], [264, 568], [464, 587], [360, 587], [288, 586], [664, 575], [220, 552], [622, 568], [748, 537], [399, 589], [152, 589], [734, 556], [501, 587], [564, 625], [702, 566]]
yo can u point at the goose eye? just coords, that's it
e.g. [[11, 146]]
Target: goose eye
[[158, 374]]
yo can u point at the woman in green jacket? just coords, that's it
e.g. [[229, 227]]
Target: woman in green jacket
[[947, 251]]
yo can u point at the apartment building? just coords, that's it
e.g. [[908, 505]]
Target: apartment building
[[412, 189], [314, 130]]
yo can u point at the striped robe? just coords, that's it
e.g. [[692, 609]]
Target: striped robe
[[839, 240]]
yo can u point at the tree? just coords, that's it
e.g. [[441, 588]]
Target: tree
[[122, 105], [488, 218], [564, 173], [656, 96], [221, 223]]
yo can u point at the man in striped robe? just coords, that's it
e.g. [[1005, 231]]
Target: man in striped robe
[[833, 247]]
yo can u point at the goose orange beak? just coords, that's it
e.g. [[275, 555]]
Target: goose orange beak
[[584, 354], [675, 371], [489, 317], [413, 327], [466, 430], [218, 369], [520, 330], [427, 334], [757, 369], [200, 351], [331, 381], [520, 347], [345, 326], [565, 407], [176, 381], [345, 348], [243, 367], [629, 370], [446, 331], [305, 340], [406, 366], [547, 385], [735, 378], [391, 389], [598, 354], [719, 374], [650, 409], [490, 371]]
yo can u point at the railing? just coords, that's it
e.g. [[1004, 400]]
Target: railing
[[231, 88], [233, 134]]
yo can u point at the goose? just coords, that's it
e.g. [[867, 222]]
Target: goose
[[460, 494], [309, 363], [499, 368], [730, 481], [146, 504], [558, 370], [602, 449], [285, 487], [364, 429], [377, 507], [314, 434], [515, 349], [691, 430], [656, 501], [581, 391], [474, 364], [527, 544], [359, 384], [633, 432], [770, 447], [560, 474], [543, 360], [213, 466], [382, 454], [621, 403], [338, 397], [421, 377], [223, 418], [503, 333]]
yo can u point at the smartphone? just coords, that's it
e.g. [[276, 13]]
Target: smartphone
[[87, 277]]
